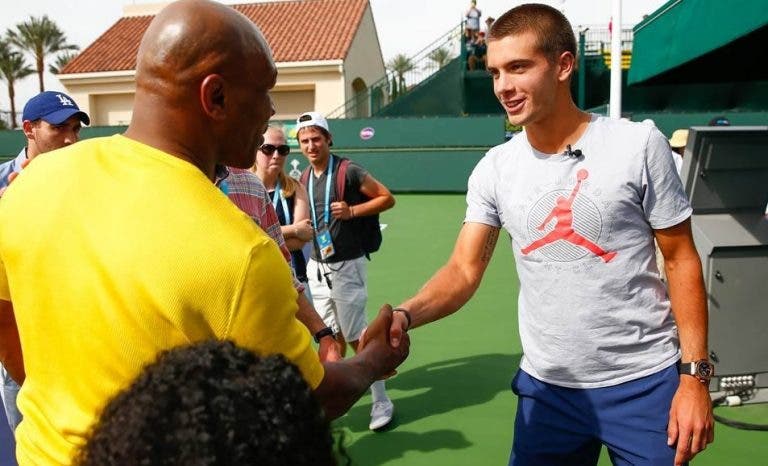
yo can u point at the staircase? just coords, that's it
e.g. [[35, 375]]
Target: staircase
[[395, 85]]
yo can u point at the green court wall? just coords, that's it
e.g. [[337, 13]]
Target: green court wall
[[434, 154]]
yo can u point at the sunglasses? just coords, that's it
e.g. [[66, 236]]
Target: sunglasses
[[269, 149]]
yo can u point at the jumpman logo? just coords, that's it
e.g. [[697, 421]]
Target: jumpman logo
[[563, 229]]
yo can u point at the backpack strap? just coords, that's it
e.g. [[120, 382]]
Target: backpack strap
[[304, 178], [341, 177]]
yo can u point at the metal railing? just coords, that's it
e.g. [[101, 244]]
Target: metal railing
[[393, 85], [598, 40]]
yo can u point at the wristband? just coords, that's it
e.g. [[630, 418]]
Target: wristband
[[405, 313], [324, 332]]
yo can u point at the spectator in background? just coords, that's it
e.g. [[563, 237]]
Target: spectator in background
[[476, 58], [337, 269], [472, 27], [487, 24], [212, 403], [678, 142], [288, 196], [50, 121]]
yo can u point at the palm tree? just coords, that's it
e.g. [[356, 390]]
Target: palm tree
[[61, 61], [13, 66], [400, 65], [440, 56], [40, 37]]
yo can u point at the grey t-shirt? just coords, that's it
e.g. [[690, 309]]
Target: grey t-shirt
[[593, 311]]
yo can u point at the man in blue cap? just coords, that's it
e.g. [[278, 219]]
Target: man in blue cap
[[51, 120]]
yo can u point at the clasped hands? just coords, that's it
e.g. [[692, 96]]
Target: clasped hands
[[387, 336]]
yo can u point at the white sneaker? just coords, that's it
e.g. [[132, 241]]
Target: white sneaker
[[381, 414]]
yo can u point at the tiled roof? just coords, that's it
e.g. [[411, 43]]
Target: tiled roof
[[299, 30]]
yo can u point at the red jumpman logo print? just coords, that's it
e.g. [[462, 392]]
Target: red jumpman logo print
[[563, 230]]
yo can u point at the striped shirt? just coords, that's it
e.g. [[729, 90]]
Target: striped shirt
[[248, 193]]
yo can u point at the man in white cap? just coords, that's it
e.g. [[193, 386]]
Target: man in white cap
[[337, 266]]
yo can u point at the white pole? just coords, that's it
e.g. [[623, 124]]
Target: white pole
[[615, 102]]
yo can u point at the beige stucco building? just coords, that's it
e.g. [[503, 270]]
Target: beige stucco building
[[327, 52]]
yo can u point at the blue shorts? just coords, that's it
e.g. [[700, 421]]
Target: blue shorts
[[567, 426]]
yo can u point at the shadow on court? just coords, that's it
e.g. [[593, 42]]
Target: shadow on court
[[439, 387]]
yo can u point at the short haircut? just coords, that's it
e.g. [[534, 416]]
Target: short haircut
[[212, 403], [553, 31]]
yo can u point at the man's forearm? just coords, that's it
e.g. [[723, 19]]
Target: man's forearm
[[373, 206], [689, 306], [344, 383], [445, 293], [455, 283], [307, 315]]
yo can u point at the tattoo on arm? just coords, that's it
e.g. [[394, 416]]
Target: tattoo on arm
[[490, 244]]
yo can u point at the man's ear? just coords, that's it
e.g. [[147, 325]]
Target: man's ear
[[212, 96], [27, 126], [566, 66]]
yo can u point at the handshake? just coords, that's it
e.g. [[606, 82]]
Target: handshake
[[386, 340]]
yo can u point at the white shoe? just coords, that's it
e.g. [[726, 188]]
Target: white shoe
[[381, 414]]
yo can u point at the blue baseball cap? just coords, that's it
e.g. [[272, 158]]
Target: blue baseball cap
[[53, 107]]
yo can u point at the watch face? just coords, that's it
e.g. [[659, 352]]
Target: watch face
[[705, 369]]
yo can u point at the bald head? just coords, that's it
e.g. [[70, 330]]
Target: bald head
[[202, 70], [192, 38]]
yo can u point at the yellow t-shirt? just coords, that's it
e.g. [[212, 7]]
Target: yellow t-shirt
[[112, 251]]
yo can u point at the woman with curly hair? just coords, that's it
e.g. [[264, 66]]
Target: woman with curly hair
[[212, 403]]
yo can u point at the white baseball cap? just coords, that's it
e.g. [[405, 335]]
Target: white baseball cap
[[312, 119]]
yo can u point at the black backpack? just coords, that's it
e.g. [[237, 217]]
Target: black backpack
[[368, 227]]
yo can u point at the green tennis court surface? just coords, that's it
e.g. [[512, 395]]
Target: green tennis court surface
[[453, 405]]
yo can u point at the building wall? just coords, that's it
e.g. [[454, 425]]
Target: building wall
[[364, 59], [106, 97], [112, 109], [324, 79], [289, 104]]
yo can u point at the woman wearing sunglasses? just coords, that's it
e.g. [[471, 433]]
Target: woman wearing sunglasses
[[288, 196]]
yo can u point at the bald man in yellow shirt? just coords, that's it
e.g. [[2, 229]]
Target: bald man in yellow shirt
[[115, 249]]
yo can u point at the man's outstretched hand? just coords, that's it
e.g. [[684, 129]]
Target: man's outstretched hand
[[398, 329], [376, 342]]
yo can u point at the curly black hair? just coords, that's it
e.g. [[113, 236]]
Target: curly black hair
[[212, 403]]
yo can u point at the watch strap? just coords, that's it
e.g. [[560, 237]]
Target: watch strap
[[323, 332]]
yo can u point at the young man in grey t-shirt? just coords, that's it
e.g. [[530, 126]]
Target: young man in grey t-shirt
[[610, 358]]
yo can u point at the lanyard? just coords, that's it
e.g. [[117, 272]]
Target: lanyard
[[279, 194], [327, 214]]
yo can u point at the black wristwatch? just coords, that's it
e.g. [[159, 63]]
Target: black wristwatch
[[323, 332], [701, 369]]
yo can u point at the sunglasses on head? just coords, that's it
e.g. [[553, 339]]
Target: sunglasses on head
[[269, 149]]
